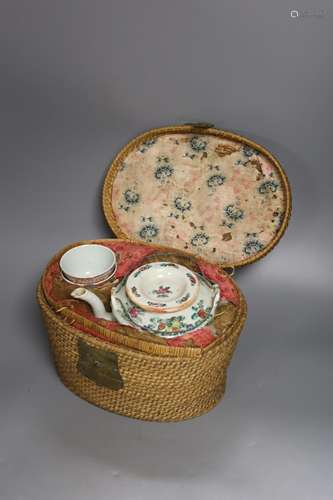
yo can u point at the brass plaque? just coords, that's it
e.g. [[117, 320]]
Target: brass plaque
[[99, 366]]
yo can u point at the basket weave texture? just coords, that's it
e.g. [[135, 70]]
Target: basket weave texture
[[164, 384], [136, 375], [155, 388]]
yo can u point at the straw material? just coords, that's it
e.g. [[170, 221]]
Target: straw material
[[119, 160], [154, 387], [134, 376]]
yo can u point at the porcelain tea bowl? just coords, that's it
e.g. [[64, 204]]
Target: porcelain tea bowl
[[88, 265], [162, 287]]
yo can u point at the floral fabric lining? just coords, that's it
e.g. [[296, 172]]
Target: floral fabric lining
[[217, 198], [131, 256]]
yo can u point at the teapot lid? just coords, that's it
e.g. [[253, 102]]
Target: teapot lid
[[200, 189]]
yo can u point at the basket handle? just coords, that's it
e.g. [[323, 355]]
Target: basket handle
[[231, 272]]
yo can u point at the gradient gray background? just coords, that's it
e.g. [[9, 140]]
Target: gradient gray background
[[78, 80]]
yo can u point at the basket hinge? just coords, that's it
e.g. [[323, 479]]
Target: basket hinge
[[201, 125]]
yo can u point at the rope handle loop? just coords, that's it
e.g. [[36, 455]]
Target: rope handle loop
[[232, 270]]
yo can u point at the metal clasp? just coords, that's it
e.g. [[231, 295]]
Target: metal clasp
[[201, 125], [99, 366]]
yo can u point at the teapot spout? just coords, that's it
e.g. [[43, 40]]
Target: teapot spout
[[95, 303]]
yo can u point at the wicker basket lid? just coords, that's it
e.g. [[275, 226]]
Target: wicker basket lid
[[197, 188]]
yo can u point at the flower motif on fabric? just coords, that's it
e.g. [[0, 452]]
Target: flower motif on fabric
[[249, 151], [200, 240], [147, 144], [164, 169], [249, 154], [233, 213], [182, 204], [149, 232], [215, 180], [253, 246], [268, 186], [198, 144], [131, 196], [205, 202]]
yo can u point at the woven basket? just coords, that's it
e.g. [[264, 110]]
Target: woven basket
[[136, 375], [144, 380]]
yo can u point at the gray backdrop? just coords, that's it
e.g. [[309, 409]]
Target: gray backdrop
[[78, 80]]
